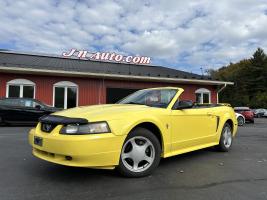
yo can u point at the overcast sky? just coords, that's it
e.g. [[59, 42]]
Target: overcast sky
[[185, 35]]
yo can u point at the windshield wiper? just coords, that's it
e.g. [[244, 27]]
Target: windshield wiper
[[136, 103], [132, 102]]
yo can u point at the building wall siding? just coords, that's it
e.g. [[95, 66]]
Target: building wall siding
[[93, 91]]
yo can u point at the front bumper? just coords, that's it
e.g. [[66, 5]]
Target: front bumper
[[92, 150]]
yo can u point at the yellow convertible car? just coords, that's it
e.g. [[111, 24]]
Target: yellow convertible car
[[133, 134]]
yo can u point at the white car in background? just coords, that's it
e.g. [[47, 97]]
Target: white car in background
[[260, 112], [240, 119]]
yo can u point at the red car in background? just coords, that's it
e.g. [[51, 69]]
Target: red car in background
[[247, 112]]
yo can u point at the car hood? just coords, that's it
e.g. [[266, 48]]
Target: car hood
[[104, 112]]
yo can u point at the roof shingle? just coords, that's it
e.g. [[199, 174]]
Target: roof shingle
[[50, 62]]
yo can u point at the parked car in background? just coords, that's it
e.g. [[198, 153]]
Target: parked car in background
[[246, 112], [259, 112], [23, 111], [240, 119]]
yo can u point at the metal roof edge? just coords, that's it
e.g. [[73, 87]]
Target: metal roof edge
[[108, 76]]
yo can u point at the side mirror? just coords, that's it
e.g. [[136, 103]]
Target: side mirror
[[38, 107], [179, 105]]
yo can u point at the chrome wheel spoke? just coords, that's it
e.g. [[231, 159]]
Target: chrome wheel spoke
[[134, 145], [148, 159], [135, 165], [142, 149], [229, 140], [125, 155], [144, 146], [227, 137]]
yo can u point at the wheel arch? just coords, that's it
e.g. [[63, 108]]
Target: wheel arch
[[154, 129], [230, 122], [231, 119]]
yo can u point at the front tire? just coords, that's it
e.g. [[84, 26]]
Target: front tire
[[240, 121], [140, 153], [226, 139]]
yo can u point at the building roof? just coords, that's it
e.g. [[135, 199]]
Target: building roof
[[56, 65]]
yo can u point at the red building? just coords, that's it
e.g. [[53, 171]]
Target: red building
[[68, 82]]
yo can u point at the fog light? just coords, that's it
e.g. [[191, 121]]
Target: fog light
[[68, 157]]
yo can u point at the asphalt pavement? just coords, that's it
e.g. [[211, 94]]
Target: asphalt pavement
[[204, 174]]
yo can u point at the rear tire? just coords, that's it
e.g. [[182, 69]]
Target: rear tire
[[226, 139], [140, 154]]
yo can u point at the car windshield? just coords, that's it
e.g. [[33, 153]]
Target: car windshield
[[151, 97]]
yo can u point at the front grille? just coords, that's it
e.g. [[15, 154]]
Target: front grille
[[46, 127]]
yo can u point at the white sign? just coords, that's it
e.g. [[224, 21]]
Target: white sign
[[107, 56]]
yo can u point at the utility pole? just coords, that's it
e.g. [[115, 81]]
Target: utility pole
[[201, 71]]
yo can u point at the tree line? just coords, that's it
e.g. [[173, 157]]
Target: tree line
[[250, 81]]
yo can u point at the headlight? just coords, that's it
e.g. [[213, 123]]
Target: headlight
[[90, 128]]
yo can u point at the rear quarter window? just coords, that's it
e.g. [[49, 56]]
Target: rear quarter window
[[5, 102], [10, 102]]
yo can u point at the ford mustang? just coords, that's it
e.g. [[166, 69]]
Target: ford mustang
[[133, 134]]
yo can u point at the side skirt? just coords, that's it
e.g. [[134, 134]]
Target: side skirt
[[186, 150]]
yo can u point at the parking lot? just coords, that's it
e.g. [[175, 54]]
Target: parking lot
[[204, 174]]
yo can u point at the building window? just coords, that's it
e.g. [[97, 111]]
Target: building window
[[20, 88], [65, 95], [202, 95]]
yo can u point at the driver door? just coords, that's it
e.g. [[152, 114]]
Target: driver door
[[192, 127]]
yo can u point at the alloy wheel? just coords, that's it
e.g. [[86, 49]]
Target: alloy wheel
[[240, 121], [138, 154], [227, 134]]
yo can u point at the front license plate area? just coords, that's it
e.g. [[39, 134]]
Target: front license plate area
[[38, 141]]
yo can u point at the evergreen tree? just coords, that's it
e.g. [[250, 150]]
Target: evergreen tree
[[250, 78]]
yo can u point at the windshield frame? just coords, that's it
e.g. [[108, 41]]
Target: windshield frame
[[152, 89]]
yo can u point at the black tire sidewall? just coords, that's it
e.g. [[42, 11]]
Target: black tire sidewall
[[154, 140]]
